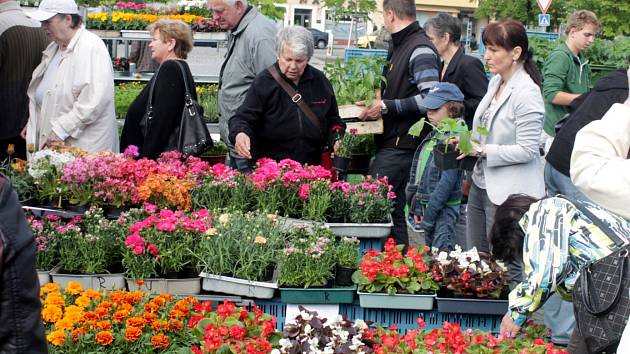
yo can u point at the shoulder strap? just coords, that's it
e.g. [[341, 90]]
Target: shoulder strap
[[295, 97], [149, 109], [181, 67], [597, 221]]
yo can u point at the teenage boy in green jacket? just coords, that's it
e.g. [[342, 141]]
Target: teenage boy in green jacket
[[566, 72]]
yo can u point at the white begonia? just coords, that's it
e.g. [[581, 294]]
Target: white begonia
[[305, 315], [360, 324], [456, 252], [502, 265], [308, 329], [485, 268], [56, 159], [275, 351], [285, 343], [313, 342], [443, 258]]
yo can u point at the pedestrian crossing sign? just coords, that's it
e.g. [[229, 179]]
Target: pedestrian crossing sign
[[544, 20]]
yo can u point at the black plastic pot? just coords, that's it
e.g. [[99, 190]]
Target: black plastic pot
[[468, 163], [343, 276], [340, 164], [445, 160], [80, 209], [269, 272], [114, 212]]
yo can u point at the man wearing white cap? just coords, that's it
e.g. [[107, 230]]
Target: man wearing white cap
[[72, 90]]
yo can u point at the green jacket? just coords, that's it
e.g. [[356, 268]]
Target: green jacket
[[564, 72]]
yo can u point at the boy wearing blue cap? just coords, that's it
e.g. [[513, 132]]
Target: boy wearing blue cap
[[433, 196]]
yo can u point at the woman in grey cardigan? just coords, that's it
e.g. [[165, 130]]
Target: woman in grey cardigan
[[512, 113]]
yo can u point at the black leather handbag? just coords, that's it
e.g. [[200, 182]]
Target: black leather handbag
[[191, 138], [601, 301]]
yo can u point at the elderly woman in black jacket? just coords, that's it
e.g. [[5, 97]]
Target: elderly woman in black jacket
[[270, 123], [460, 69]]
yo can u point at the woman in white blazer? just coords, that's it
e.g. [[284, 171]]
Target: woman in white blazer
[[512, 112]]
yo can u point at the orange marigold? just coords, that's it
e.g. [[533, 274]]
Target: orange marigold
[[149, 316], [132, 334], [74, 288], [56, 338], [83, 301], [118, 316], [48, 288], [55, 299], [76, 333], [160, 341], [158, 325], [103, 325], [52, 313], [136, 322], [104, 338], [93, 294], [175, 325]]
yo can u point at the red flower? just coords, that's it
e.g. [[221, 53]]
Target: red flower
[[237, 332], [226, 309]]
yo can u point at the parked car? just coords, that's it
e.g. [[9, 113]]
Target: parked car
[[319, 38]]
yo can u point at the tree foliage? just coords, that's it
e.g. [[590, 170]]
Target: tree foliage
[[346, 8], [269, 8], [612, 14]]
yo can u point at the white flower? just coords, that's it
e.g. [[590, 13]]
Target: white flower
[[360, 324], [305, 315], [275, 351], [313, 341], [285, 343], [502, 265], [485, 267], [443, 258], [308, 329]]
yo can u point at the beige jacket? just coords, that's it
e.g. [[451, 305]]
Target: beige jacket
[[600, 167], [81, 99]]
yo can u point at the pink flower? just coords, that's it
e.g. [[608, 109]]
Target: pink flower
[[304, 191], [391, 195], [131, 151], [153, 250], [166, 226]]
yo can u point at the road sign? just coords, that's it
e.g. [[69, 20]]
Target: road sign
[[544, 5], [544, 20]]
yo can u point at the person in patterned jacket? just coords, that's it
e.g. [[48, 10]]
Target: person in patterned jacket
[[554, 240]]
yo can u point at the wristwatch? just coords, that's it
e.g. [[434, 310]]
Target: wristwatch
[[383, 108]]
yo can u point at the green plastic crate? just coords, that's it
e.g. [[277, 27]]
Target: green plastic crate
[[343, 295]]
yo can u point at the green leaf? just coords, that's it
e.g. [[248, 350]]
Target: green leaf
[[464, 145], [416, 129], [483, 131]]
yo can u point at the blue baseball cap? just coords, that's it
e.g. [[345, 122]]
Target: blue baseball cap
[[441, 93]]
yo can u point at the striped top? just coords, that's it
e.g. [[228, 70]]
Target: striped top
[[423, 70], [559, 240]]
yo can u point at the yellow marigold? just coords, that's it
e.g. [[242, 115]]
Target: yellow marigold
[[103, 325], [83, 301], [104, 338], [55, 299], [64, 324], [260, 240], [49, 288], [56, 338], [132, 334], [74, 288], [160, 341], [52, 313]]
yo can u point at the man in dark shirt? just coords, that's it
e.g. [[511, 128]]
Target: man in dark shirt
[[413, 69]]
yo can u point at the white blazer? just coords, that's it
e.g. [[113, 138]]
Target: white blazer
[[513, 163], [81, 99]]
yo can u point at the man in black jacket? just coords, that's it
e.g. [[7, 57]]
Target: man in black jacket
[[584, 109], [21, 329], [413, 69]]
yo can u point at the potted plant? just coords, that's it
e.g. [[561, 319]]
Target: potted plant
[[471, 281], [46, 245], [216, 154], [239, 254], [362, 154], [347, 142], [231, 329], [79, 320], [22, 182], [308, 332], [158, 252], [354, 80], [89, 251], [389, 279], [445, 153], [361, 210], [45, 167], [346, 254]]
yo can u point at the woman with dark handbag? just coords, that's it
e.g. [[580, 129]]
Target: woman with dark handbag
[[290, 108], [559, 241], [154, 121]]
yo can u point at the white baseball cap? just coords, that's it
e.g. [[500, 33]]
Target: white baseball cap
[[50, 8]]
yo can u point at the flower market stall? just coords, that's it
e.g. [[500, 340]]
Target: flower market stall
[[177, 231]]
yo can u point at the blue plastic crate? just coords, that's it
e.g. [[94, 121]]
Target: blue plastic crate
[[274, 307], [358, 52], [366, 244]]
